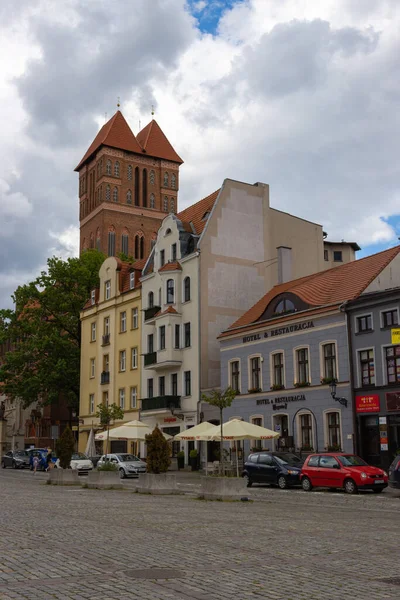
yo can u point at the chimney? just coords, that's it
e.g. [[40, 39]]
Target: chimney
[[284, 264]]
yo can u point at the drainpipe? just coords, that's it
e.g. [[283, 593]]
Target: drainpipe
[[199, 348], [343, 308]]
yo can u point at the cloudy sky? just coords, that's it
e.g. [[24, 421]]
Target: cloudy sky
[[300, 94]]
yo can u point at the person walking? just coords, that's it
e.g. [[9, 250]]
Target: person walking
[[49, 462], [35, 462]]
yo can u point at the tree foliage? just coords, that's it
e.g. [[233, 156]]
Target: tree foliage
[[107, 413], [44, 331], [220, 399], [65, 447], [158, 452]]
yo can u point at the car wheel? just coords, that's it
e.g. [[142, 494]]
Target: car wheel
[[306, 484], [350, 486], [122, 473], [14, 465], [282, 483], [3, 464], [249, 482]]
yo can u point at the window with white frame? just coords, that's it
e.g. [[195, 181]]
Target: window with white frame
[[134, 358], [235, 375], [257, 444], [329, 361], [93, 297], [367, 367], [133, 396], [332, 424], [107, 326], [390, 318], [364, 323], [170, 291], [135, 318], [92, 367], [255, 373], [93, 332], [107, 288], [91, 403], [173, 252], [132, 280], [186, 289], [122, 319], [303, 373], [392, 361], [278, 375], [162, 337], [122, 360], [122, 398], [187, 378], [306, 431]]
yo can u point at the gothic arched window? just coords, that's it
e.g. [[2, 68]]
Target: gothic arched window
[[152, 201], [129, 172], [116, 169], [136, 246], [108, 167], [144, 187], [115, 194], [152, 177], [172, 205], [165, 203], [173, 180], [129, 197], [108, 193], [137, 186], [125, 243], [142, 247], [166, 179]]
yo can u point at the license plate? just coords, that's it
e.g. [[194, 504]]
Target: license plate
[[379, 481]]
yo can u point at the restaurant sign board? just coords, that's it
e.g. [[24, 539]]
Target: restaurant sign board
[[366, 404]]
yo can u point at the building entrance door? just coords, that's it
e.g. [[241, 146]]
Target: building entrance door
[[370, 440], [281, 425]]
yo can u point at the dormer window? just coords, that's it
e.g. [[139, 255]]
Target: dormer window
[[205, 216], [93, 297], [132, 280], [284, 306]]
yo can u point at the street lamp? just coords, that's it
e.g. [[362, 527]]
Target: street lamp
[[332, 385]]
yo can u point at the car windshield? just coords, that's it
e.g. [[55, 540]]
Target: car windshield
[[21, 453], [351, 460], [127, 457], [289, 459], [78, 456]]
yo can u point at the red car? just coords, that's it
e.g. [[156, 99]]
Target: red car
[[339, 470]]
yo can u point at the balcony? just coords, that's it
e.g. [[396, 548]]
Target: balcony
[[150, 359], [105, 340], [150, 313], [105, 377], [161, 403]]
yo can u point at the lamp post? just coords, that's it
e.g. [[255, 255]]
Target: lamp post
[[342, 401]]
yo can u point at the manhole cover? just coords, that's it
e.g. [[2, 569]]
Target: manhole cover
[[391, 580], [155, 574]]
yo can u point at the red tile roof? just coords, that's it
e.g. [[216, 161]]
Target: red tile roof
[[168, 311], [326, 288], [171, 266], [155, 143], [195, 214], [115, 133]]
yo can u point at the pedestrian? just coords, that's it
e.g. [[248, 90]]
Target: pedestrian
[[49, 462], [35, 463]]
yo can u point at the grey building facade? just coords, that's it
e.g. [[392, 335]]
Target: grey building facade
[[375, 364], [282, 373]]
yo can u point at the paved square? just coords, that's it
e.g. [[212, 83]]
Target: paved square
[[73, 544]]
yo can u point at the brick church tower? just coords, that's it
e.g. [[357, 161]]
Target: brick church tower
[[127, 185]]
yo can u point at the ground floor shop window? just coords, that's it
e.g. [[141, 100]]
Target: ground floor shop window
[[175, 446]]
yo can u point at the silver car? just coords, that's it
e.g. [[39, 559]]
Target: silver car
[[128, 465], [17, 459]]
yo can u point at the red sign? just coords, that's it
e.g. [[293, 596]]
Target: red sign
[[170, 420], [366, 404], [393, 401]]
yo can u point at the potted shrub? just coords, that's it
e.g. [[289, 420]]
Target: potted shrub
[[157, 480], [307, 448], [327, 380], [277, 386], [104, 477], [254, 390], [181, 459], [194, 459], [300, 384], [334, 448]]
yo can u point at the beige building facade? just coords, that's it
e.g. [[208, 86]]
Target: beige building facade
[[111, 348]]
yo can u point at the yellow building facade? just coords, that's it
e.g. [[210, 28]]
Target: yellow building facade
[[110, 349]]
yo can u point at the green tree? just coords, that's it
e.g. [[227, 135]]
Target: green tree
[[44, 331], [107, 414], [221, 400], [158, 452], [65, 447]]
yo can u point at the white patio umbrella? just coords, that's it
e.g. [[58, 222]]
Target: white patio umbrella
[[90, 449], [193, 433], [236, 429], [133, 430]]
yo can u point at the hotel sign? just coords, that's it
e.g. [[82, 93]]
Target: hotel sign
[[277, 332], [282, 402]]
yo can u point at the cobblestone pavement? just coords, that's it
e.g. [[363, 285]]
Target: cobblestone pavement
[[76, 544]]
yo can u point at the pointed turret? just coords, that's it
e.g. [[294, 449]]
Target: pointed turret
[[155, 143], [115, 133]]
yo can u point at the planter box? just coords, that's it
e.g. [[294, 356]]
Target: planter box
[[103, 480], [63, 477], [163, 483], [223, 488]]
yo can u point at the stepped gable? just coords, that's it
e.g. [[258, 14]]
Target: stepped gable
[[115, 133], [155, 143], [326, 288]]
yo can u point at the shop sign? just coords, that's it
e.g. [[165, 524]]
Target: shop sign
[[365, 404], [395, 336], [281, 402], [169, 419], [393, 401], [277, 332]]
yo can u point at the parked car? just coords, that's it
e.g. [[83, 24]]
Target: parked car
[[339, 470], [394, 473], [17, 459], [276, 468], [128, 465], [95, 459], [79, 462], [41, 453]]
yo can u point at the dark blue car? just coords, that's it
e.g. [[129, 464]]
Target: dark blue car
[[275, 468], [394, 473], [41, 453]]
